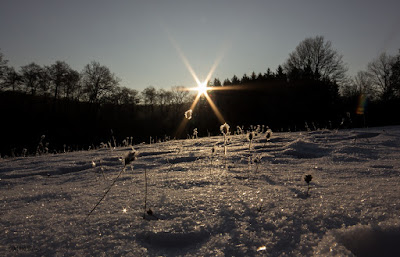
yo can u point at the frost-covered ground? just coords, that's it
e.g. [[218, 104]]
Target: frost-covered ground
[[224, 206]]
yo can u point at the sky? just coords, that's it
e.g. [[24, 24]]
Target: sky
[[145, 43]]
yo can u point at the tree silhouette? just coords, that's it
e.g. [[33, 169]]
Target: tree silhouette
[[3, 69], [62, 77], [315, 56], [98, 82], [235, 81], [395, 76], [380, 70], [33, 77], [12, 80], [217, 83]]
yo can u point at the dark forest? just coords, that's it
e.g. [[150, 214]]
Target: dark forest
[[60, 109]]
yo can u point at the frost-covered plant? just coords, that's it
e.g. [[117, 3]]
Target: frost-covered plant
[[257, 161], [268, 134], [250, 137], [24, 152], [306, 126], [40, 149], [127, 159], [307, 179], [239, 130], [188, 114], [212, 156], [195, 133], [225, 131], [113, 138], [148, 211]]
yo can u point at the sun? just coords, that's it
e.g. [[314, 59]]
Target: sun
[[202, 88]]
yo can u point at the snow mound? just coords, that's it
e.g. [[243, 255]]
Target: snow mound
[[303, 149], [361, 240]]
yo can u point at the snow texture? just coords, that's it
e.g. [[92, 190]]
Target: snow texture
[[208, 204]]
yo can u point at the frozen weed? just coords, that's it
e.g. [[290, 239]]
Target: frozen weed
[[40, 147], [239, 130], [211, 158], [307, 179], [113, 138], [268, 135], [257, 161], [225, 131], [149, 212], [128, 158], [250, 137], [195, 133]]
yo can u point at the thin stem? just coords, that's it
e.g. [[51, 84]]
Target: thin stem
[[108, 190], [145, 193], [211, 164]]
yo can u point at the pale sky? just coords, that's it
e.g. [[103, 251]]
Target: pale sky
[[135, 38]]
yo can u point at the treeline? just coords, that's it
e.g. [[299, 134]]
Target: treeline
[[76, 110]]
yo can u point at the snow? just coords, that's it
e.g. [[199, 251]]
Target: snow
[[207, 204]]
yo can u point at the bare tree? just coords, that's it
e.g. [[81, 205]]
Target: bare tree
[[149, 95], [360, 85], [123, 96], [164, 97], [319, 57], [62, 77], [34, 78], [180, 95], [380, 70], [3, 69], [395, 76], [12, 80], [72, 86], [98, 82]]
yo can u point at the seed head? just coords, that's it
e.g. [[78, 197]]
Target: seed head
[[130, 157], [307, 178], [224, 128]]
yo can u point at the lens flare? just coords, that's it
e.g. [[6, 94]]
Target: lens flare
[[202, 87]]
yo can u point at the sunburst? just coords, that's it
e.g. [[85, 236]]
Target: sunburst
[[201, 88]]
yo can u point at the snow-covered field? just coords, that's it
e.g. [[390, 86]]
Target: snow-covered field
[[210, 205]]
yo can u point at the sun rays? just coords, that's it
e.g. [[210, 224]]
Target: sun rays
[[201, 88]]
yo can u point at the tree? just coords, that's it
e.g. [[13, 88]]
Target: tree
[[395, 76], [149, 95], [33, 77], [361, 85], [60, 73], [164, 97], [71, 88], [98, 82], [179, 95], [235, 81], [319, 57], [123, 96], [280, 74], [3, 69], [12, 80], [245, 79], [217, 83], [227, 82], [380, 70]]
